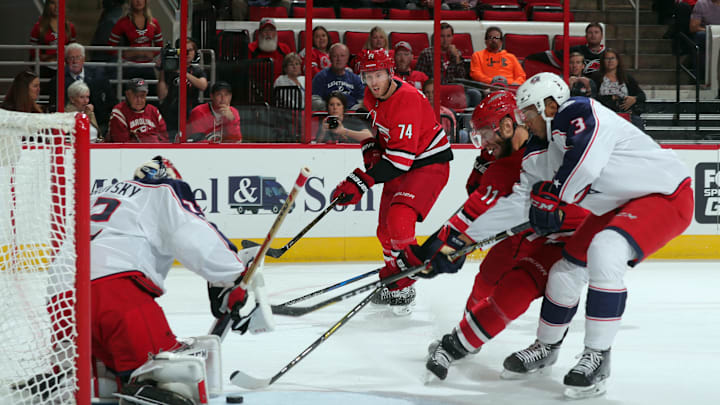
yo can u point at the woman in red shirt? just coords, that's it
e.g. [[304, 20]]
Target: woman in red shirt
[[319, 56], [45, 32]]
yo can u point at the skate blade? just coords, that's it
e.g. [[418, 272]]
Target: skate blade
[[402, 310], [511, 375], [594, 390]]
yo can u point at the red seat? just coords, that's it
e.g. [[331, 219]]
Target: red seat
[[486, 3], [533, 67], [418, 40], [574, 41], [463, 42], [257, 13], [334, 39], [543, 2], [287, 37], [458, 15], [397, 14], [504, 15], [549, 16], [362, 13], [355, 41], [523, 45], [318, 12], [453, 97]]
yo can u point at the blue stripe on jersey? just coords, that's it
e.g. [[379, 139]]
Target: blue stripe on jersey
[[554, 314], [535, 144], [575, 120], [605, 304]]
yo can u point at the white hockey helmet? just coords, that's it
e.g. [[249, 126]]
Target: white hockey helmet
[[156, 169], [539, 87]]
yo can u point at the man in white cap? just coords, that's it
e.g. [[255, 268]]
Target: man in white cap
[[267, 46], [403, 59]]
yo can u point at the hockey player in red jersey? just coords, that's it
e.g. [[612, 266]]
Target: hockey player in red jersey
[[138, 229], [409, 154], [514, 272]]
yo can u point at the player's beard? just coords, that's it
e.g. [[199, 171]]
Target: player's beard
[[506, 148], [267, 44]]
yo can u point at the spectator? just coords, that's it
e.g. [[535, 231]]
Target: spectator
[[705, 12], [133, 120], [320, 58], [44, 32], [336, 127], [216, 121], [23, 93], [580, 85], [337, 77], [403, 58], [617, 89], [377, 39], [79, 101], [267, 46], [111, 13], [102, 96], [592, 50], [169, 89], [459, 4], [494, 65], [447, 116], [292, 67], [452, 65], [137, 29]]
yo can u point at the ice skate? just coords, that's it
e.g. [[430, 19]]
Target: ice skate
[[589, 376], [400, 301], [441, 353], [537, 358]]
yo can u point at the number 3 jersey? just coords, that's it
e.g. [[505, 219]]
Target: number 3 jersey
[[145, 225], [408, 133]]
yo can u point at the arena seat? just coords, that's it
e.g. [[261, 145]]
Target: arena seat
[[463, 42], [497, 14], [523, 45], [549, 16], [355, 41], [418, 40], [458, 15], [257, 13], [318, 12], [533, 67], [489, 3], [397, 14], [557, 42], [334, 39], [362, 13]]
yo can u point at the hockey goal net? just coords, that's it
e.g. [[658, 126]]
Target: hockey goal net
[[42, 346]]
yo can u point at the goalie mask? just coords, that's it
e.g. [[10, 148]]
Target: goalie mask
[[156, 169]]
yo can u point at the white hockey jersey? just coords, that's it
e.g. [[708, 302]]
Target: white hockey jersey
[[144, 226], [597, 159]]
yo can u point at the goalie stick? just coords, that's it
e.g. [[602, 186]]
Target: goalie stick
[[275, 253], [221, 326], [287, 310], [247, 381]]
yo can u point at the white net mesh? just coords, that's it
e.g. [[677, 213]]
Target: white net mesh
[[37, 259]]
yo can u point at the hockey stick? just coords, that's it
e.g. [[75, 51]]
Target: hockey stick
[[275, 253], [299, 311], [247, 381], [221, 326], [326, 289]]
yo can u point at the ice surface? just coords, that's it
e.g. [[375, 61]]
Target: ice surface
[[666, 352]]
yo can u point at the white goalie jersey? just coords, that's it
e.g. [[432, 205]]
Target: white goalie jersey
[[145, 225]]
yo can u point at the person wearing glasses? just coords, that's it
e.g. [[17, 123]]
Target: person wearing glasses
[[494, 65], [169, 88]]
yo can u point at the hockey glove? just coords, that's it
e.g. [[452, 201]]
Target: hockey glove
[[408, 258], [545, 215], [353, 187], [371, 152], [482, 161], [436, 248]]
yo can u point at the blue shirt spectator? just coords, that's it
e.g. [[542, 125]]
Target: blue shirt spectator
[[337, 78]]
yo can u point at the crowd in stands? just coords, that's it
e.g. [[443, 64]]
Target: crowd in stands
[[337, 88]]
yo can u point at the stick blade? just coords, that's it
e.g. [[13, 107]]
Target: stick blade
[[288, 311], [274, 253], [248, 244], [247, 381]]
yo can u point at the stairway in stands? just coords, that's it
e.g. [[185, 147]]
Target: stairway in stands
[[665, 121]]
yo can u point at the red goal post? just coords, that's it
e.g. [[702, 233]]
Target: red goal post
[[44, 258]]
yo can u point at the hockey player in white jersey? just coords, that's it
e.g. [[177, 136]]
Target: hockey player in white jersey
[[138, 228], [639, 196]]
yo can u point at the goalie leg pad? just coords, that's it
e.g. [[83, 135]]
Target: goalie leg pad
[[182, 374], [207, 348], [148, 394]]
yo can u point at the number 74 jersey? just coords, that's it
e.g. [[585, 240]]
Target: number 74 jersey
[[409, 134]]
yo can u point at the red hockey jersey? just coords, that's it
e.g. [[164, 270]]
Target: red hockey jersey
[[149, 35], [127, 125], [409, 134], [50, 37]]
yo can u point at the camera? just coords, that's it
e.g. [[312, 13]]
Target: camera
[[333, 122], [170, 59]]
